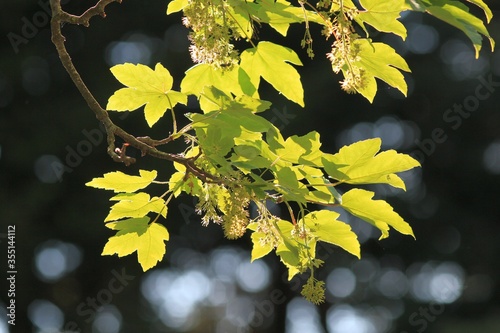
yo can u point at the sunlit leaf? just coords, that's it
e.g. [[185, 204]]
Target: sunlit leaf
[[270, 61], [289, 186], [145, 87], [383, 15], [120, 182], [138, 235], [239, 12], [359, 203], [234, 80], [324, 225], [259, 248], [379, 60], [288, 250], [301, 149], [176, 6], [359, 163], [135, 205], [484, 7]]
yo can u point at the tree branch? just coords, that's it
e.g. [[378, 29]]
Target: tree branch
[[59, 16]]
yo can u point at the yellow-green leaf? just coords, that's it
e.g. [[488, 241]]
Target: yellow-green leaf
[[135, 205], [379, 60], [359, 163], [484, 7], [359, 203], [300, 149], [288, 250], [179, 182], [270, 61], [238, 11], [138, 235], [324, 225], [383, 15], [234, 80], [259, 248], [145, 87], [176, 6], [120, 182]]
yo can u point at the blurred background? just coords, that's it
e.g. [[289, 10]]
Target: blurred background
[[51, 145]]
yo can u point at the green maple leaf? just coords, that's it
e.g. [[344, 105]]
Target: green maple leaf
[[239, 12], [383, 15], [288, 184], [259, 249], [135, 205], [359, 164], [299, 149], [288, 250], [176, 6], [120, 182], [137, 234], [379, 60], [484, 7], [233, 80], [269, 61], [324, 225], [379, 213], [145, 87]]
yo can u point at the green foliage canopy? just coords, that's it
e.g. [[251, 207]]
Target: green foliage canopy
[[235, 158]]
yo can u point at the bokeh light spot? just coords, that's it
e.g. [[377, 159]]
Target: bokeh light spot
[[390, 131], [45, 316], [342, 319], [341, 282], [422, 38], [436, 282], [302, 316], [223, 263], [137, 48], [54, 259], [107, 320], [393, 283], [491, 158], [44, 168], [241, 311], [461, 60], [253, 277]]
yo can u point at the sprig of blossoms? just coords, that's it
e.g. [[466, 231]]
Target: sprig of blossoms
[[314, 290], [235, 219], [344, 52], [212, 32]]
